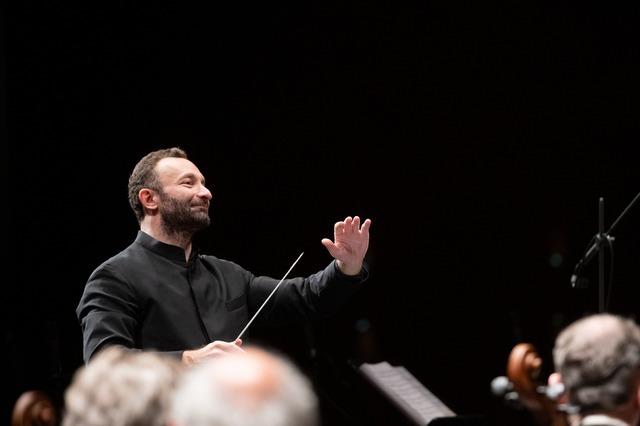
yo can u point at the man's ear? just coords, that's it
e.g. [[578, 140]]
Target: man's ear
[[556, 388], [554, 379], [149, 200]]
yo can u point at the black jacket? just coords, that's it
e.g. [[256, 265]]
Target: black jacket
[[148, 297]]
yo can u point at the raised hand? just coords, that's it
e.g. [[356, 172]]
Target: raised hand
[[350, 244]]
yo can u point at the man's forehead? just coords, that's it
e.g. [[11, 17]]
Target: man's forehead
[[175, 166]]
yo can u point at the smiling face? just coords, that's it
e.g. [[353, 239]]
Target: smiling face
[[183, 198]]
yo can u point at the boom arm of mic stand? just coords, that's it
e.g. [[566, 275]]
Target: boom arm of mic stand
[[600, 238]]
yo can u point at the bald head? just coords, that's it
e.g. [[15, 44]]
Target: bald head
[[251, 378], [598, 358], [256, 387]]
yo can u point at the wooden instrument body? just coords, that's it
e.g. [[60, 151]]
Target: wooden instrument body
[[34, 408], [523, 370]]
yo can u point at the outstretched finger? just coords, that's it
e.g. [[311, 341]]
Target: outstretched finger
[[365, 226], [348, 224], [356, 223]]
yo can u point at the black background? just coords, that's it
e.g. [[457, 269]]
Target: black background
[[477, 138]]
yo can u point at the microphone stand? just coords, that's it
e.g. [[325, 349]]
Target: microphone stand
[[596, 247]]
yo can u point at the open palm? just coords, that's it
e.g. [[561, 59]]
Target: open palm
[[350, 244]]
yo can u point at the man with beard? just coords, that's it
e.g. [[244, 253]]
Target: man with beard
[[161, 294]]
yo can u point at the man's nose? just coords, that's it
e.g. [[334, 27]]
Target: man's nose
[[205, 193]]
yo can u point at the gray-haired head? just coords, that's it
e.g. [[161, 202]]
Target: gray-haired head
[[121, 388], [598, 358], [255, 388]]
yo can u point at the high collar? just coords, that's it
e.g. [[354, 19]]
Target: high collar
[[168, 251]]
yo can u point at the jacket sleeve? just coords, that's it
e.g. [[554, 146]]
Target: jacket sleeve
[[316, 296], [108, 312]]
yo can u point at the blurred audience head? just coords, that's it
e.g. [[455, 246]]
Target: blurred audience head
[[598, 358], [121, 388], [253, 388]]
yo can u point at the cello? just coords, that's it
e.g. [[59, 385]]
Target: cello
[[523, 373], [34, 408]]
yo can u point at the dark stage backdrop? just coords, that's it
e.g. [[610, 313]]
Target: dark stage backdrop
[[477, 138]]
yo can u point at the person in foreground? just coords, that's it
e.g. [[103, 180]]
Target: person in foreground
[[245, 389], [161, 294], [597, 359], [122, 388]]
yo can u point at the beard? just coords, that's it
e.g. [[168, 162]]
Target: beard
[[177, 218]]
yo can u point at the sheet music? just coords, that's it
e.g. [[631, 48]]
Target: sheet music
[[406, 391]]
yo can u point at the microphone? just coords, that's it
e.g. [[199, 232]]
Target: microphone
[[588, 257]]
